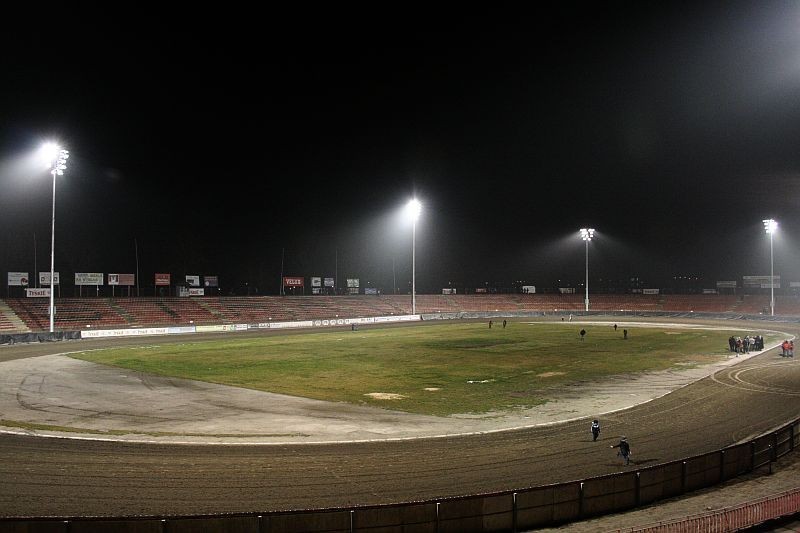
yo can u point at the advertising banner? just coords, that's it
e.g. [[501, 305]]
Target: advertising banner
[[88, 278], [651, 291], [38, 293], [726, 284], [193, 281], [122, 279], [163, 279], [761, 282], [293, 281], [197, 292], [352, 290], [370, 290], [352, 282], [211, 281], [18, 279], [316, 290], [566, 290], [448, 291], [44, 278], [316, 282], [529, 289], [329, 282]]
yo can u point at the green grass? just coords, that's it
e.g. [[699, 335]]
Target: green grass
[[475, 369]]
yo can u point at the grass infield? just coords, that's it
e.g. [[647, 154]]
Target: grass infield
[[439, 369]]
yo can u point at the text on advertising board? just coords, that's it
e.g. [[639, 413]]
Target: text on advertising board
[[163, 279], [291, 281]]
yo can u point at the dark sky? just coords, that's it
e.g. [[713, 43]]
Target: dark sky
[[216, 143]]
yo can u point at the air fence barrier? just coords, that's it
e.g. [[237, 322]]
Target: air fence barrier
[[519, 510]]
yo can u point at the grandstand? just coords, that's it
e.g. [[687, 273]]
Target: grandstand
[[31, 314]]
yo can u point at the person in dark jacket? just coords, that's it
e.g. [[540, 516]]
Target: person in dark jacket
[[624, 449], [595, 429]]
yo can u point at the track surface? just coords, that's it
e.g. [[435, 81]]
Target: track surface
[[64, 477]]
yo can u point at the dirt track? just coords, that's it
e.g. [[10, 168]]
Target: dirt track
[[62, 477]]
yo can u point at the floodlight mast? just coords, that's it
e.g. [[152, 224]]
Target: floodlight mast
[[58, 166], [586, 235], [770, 226], [413, 209]]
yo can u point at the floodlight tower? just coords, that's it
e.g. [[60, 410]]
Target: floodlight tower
[[57, 158], [770, 226], [586, 235], [413, 209]]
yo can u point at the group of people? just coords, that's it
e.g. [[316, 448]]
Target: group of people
[[623, 445], [745, 345], [504, 324], [787, 348]]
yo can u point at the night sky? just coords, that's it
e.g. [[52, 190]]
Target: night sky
[[216, 144]]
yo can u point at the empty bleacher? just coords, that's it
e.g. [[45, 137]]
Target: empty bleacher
[[29, 314]]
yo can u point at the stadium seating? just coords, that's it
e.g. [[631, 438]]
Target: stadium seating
[[31, 314]]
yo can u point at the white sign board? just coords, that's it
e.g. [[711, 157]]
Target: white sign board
[[193, 281], [18, 279], [88, 278], [44, 278], [38, 293]]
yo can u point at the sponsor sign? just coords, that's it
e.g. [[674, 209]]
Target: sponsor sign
[[566, 290], [352, 282], [329, 282], [38, 293], [44, 278], [18, 279], [480, 290], [88, 278], [211, 281], [651, 291], [352, 290], [761, 282], [370, 290], [709, 291], [196, 292], [726, 284], [316, 282], [448, 291], [529, 289], [794, 284], [162, 279], [122, 279], [316, 290], [293, 281], [193, 281]]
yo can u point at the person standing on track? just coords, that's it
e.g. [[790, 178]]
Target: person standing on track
[[624, 449], [595, 429]]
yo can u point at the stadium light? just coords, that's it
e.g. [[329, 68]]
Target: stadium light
[[57, 159], [770, 226], [413, 209], [586, 235]]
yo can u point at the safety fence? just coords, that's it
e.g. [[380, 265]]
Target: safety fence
[[519, 510], [731, 518]]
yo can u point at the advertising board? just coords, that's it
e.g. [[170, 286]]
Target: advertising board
[[122, 279], [38, 293], [211, 281], [193, 281], [293, 281], [18, 279], [329, 282], [163, 279], [353, 282], [44, 278], [316, 282], [88, 278]]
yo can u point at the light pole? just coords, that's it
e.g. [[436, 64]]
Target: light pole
[[586, 235], [58, 164], [413, 209], [770, 226]]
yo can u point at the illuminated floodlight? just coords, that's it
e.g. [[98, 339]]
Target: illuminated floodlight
[[413, 210], [771, 226], [586, 235], [56, 158]]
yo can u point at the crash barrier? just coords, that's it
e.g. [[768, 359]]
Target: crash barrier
[[731, 518], [14, 338], [518, 510]]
